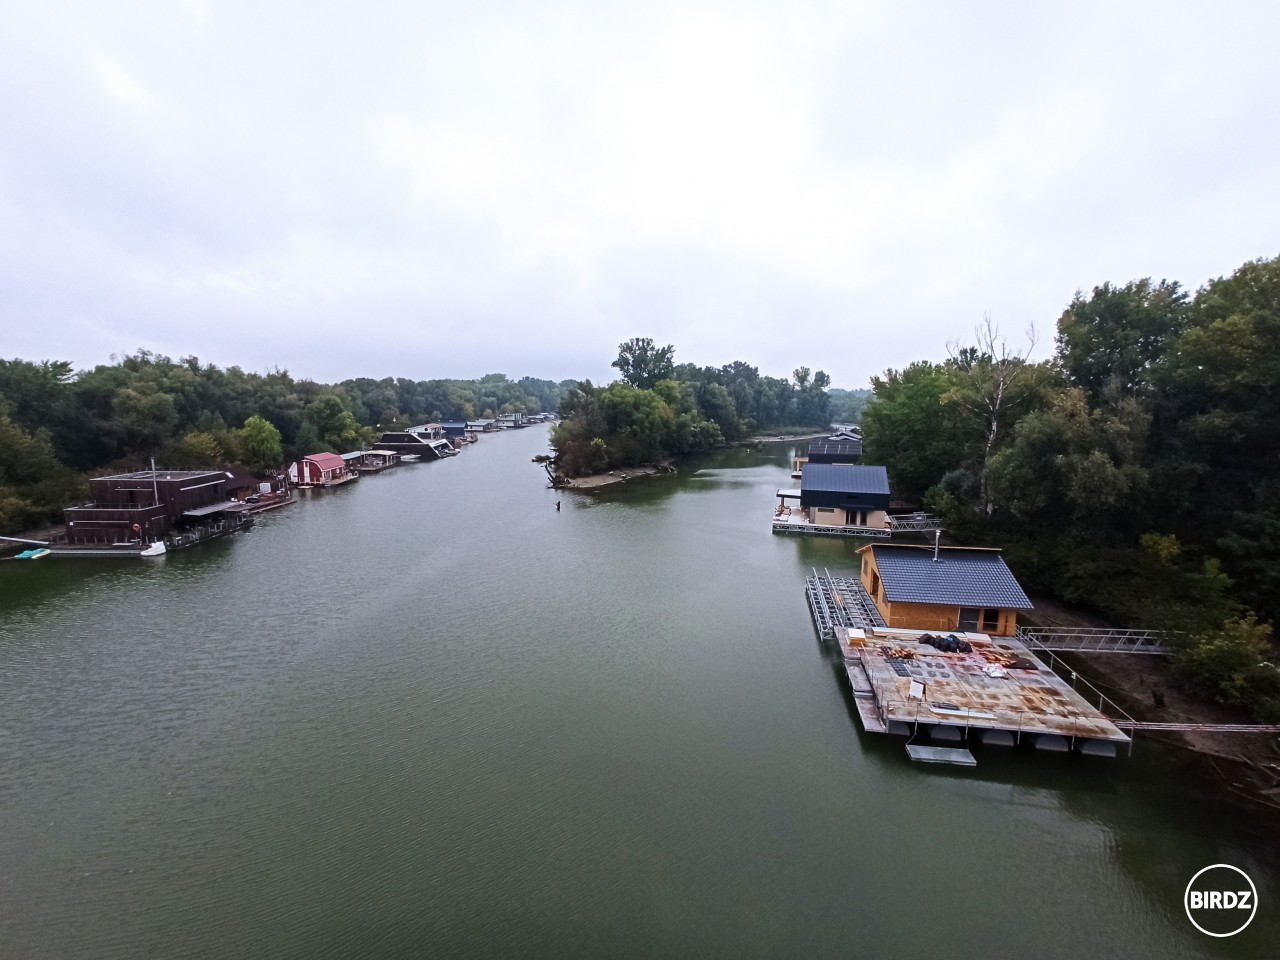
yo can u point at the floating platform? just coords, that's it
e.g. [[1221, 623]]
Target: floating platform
[[956, 756], [997, 691]]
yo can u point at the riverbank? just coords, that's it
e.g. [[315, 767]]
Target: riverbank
[[783, 438], [1241, 768], [618, 475]]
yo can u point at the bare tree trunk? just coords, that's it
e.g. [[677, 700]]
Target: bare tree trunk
[[992, 370]]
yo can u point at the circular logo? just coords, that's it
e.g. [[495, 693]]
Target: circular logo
[[1220, 900]]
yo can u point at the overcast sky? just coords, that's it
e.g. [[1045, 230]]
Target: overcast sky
[[429, 189]]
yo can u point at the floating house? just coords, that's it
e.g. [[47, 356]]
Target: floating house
[[454, 429], [508, 421], [321, 470], [841, 448], [420, 441], [371, 461], [431, 431], [483, 426], [945, 589], [147, 506], [838, 500]]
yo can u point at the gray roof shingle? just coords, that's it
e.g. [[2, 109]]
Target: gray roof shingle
[[967, 578], [844, 478]]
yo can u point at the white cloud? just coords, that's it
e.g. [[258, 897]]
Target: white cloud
[[840, 186]]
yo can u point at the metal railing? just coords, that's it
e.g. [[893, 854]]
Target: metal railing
[[839, 602], [1094, 639], [915, 522], [783, 524]]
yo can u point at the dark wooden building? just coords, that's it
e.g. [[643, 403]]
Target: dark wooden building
[[145, 505]]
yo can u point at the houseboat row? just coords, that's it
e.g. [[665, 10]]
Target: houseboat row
[[149, 512]]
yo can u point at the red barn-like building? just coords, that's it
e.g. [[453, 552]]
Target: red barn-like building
[[321, 470]]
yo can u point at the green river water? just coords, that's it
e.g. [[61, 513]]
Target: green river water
[[427, 715]]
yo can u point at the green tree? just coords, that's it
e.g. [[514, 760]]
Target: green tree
[[642, 364], [309, 440], [907, 428], [333, 423], [1116, 337], [1218, 427], [260, 444], [196, 450]]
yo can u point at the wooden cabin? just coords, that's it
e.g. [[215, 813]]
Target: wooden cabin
[[953, 589], [321, 470]]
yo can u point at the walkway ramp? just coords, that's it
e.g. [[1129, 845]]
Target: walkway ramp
[[1094, 640]]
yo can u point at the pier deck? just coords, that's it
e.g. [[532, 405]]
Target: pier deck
[[998, 685]]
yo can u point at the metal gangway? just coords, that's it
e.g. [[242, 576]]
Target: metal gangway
[[1206, 727], [914, 523], [837, 602], [1094, 640]]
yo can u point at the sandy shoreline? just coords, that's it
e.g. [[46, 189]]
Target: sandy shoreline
[[597, 480]]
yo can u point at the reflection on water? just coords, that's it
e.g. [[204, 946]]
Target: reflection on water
[[428, 714]]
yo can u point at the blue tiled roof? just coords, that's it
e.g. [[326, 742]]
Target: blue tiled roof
[[966, 578], [844, 478]]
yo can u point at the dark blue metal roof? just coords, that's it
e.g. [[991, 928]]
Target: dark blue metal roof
[[960, 576], [844, 478]]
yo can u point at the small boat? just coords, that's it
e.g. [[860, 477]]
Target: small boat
[[156, 549], [33, 554], [410, 457]]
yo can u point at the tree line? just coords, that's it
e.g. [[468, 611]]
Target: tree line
[[661, 409], [1134, 472], [58, 426]]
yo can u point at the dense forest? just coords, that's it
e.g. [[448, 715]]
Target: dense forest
[[661, 409], [58, 426], [1135, 472]]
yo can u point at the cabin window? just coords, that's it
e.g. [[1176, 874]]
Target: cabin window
[[875, 583], [990, 621], [968, 619]]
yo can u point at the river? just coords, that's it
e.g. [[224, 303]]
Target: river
[[430, 715]]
